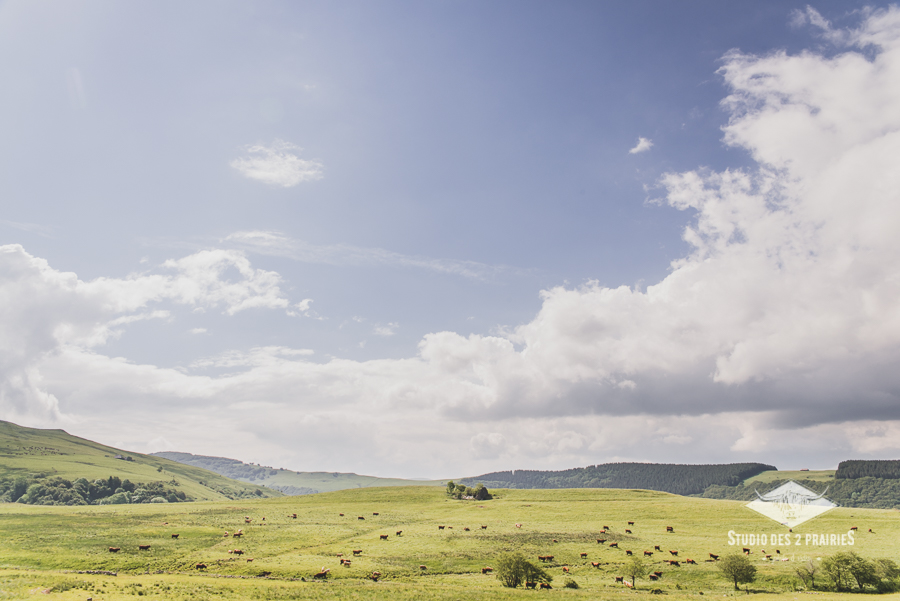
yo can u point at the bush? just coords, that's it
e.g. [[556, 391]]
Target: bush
[[513, 569], [738, 569], [570, 583]]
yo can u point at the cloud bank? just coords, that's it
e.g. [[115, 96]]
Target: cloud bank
[[777, 335]]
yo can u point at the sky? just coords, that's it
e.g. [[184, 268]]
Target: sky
[[438, 239]]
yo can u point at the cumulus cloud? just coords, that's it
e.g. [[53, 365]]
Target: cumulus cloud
[[643, 145], [277, 165], [777, 335]]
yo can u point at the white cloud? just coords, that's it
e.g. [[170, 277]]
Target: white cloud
[[276, 165], [643, 145], [387, 330], [776, 336], [197, 330]]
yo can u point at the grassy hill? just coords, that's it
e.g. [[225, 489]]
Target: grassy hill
[[287, 481], [29, 451], [771, 476], [50, 548]]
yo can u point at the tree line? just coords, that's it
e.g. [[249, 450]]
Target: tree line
[[872, 493], [673, 478], [38, 489], [859, 468]]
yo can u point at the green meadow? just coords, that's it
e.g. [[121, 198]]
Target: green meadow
[[44, 548]]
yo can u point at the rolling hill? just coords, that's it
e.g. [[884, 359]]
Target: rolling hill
[[29, 452], [287, 481]]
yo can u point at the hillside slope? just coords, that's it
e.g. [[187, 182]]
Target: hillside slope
[[287, 481], [25, 452]]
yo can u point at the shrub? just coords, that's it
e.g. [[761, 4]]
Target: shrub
[[513, 569], [738, 569]]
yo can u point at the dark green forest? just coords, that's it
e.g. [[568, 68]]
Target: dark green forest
[[40, 489], [673, 478], [873, 493], [858, 468]]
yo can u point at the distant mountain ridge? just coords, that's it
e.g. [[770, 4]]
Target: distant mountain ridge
[[287, 481], [678, 479]]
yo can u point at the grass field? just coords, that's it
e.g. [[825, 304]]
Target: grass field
[[774, 476], [26, 451], [44, 547]]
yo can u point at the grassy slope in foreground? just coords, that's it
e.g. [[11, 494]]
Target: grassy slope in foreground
[[26, 451], [289, 481], [50, 541]]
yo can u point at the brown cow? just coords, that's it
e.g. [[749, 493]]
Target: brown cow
[[616, 545], [321, 575], [518, 525], [600, 541], [620, 579], [544, 585], [566, 569], [872, 531], [143, 547], [675, 553], [854, 528], [423, 567], [346, 563], [238, 534], [631, 523], [670, 529], [656, 548], [375, 513], [249, 559], [595, 564], [294, 516], [654, 577], [746, 551], [357, 552], [606, 527], [713, 557], [486, 570], [584, 556], [238, 552], [360, 518], [441, 527], [341, 514], [384, 537], [115, 549], [627, 531], [200, 566], [691, 561], [648, 553], [466, 529], [657, 574], [672, 562], [374, 576], [483, 527], [399, 532], [627, 551], [174, 536]]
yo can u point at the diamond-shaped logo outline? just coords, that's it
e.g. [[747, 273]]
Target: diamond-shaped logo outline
[[791, 504]]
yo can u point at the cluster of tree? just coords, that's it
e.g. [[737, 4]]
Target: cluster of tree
[[461, 491], [678, 479], [42, 490], [873, 493], [846, 569], [857, 468], [230, 468], [513, 569]]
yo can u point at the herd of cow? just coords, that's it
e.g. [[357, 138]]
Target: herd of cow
[[323, 573]]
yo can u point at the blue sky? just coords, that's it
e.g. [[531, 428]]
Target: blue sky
[[405, 228]]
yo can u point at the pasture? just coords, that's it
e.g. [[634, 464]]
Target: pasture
[[45, 548]]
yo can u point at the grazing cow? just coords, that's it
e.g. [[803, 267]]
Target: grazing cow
[[374, 577], [614, 545], [778, 551], [238, 534], [466, 529], [357, 552], [673, 552], [672, 562], [714, 557], [656, 548], [115, 549], [654, 577], [341, 514], [399, 532], [595, 564], [384, 537], [143, 547], [247, 521], [294, 516], [631, 523], [346, 563], [544, 585], [360, 518], [854, 528], [486, 570], [670, 529], [518, 525], [530, 584], [606, 527], [483, 527], [648, 553], [226, 535], [872, 531], [238, 552], [600, 541], [627, 551], [555, 541], [200, 566], [627, 531], [375, 513], [657, 574], [423, 567], [449, 527], [566, 569], [440, 527], [321, 575], [620, 579], [769, 556], [174, 536], [691, 561], [746, 551], [340, 555], [584, 556]]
